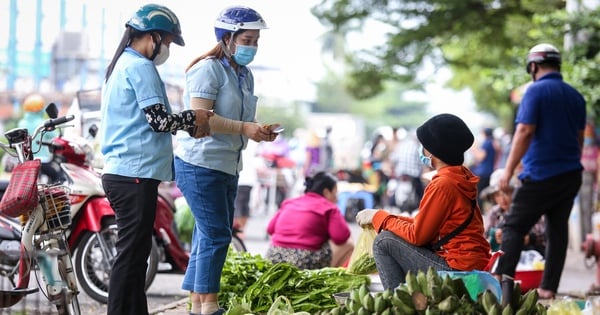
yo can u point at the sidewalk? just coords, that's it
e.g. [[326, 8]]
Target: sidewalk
[[575, 281]]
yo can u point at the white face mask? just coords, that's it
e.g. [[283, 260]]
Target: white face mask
[[162, 56]]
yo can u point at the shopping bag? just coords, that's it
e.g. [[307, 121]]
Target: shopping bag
[[21, 195], [362, 261]]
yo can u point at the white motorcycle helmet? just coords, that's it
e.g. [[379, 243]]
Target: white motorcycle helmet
[[236, 18], [543, 53]]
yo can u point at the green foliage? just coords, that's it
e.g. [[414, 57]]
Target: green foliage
[[483, 42], [290, 115], [387, 108]]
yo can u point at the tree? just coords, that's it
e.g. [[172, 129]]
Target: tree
[[483, 42]]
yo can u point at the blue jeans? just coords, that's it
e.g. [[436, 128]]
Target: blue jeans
[[395, 257], [211, 197]]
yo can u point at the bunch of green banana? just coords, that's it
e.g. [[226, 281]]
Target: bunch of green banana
[[428, 293], [523, 303]]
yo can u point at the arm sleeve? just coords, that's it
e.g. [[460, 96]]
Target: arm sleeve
[[161, 121], [221, 124], [217, 123]]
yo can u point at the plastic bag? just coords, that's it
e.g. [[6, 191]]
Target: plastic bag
[[564, 307], [476, 282], [362, 261], [529, 260]]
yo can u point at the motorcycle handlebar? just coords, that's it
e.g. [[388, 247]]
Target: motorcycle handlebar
[[51, 124]]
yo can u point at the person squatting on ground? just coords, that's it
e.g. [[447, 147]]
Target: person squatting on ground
[[447, 232], [309, 231], [534, 240], [207, 170], [137, 146], [547, 142]]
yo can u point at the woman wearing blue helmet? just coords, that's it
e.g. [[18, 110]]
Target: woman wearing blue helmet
[[137, 146], [207, 169]]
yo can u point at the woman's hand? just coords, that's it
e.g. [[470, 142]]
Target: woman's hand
[[258, 132], [365, 216], [202, 128]]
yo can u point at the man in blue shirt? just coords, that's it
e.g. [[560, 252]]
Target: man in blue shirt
[[547, 142]]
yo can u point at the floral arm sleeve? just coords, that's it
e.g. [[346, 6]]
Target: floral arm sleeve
[[161, 121]]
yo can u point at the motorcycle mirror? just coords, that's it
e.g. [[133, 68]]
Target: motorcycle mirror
[[52, 110], [93, 130]]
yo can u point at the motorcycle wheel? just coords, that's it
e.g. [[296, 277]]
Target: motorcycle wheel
[[93, 268], [153, 260], [237, 244]]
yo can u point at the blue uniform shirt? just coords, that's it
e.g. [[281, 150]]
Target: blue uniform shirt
[[234, 99], [558, 112], [130, 147]]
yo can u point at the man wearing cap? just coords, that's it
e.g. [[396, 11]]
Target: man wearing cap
[[547, 141], [448, 231]]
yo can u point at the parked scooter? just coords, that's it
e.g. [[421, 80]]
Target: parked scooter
[[94, 237], [39, 235]]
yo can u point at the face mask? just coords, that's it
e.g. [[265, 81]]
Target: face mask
[[244, 54], [162, 56], [425, 159]]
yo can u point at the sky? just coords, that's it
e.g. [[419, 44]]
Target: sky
[[291, 46]]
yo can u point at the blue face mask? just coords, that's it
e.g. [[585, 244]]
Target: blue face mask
[[244, 54], [425, 159]]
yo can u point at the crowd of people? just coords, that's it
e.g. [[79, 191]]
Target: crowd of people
[[482, 193]]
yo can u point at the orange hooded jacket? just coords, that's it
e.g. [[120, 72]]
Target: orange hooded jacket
[[446, 204]]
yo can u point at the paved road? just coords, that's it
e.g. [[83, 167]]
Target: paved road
[[166, 297]]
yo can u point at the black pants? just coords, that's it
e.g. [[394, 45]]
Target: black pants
[[553, 198], [134, 203]]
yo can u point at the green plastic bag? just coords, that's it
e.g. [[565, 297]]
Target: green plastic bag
[[476, 282], [184, 219]]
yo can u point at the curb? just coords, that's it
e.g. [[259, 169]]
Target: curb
[[161, 309]]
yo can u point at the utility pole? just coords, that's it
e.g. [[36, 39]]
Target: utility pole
[[11, 76], [573, 6], [37, 48]]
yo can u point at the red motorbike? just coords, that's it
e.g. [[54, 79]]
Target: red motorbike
[[93, 234], [37, 243]]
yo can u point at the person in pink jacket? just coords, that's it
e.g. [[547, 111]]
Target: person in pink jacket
[[309, 231]]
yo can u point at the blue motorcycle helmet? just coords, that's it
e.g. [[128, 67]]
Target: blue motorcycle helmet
[[236, 18], [154, 17]]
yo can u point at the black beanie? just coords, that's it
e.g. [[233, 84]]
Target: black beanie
[[447, 137]]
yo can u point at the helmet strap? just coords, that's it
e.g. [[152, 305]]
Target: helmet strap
[[156, 46], [227, 46], [534, 71], [225, 49]]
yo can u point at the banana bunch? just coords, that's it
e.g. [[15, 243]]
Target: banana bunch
[[522, 303], [428, 293]]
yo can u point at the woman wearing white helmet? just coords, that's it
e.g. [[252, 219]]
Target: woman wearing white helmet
[[207, 170], [136, 143]]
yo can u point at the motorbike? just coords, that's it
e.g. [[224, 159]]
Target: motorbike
[[94, 239], [37, 242], [93, 234]]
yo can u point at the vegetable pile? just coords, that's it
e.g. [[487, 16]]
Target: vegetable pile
[[251, 284]]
